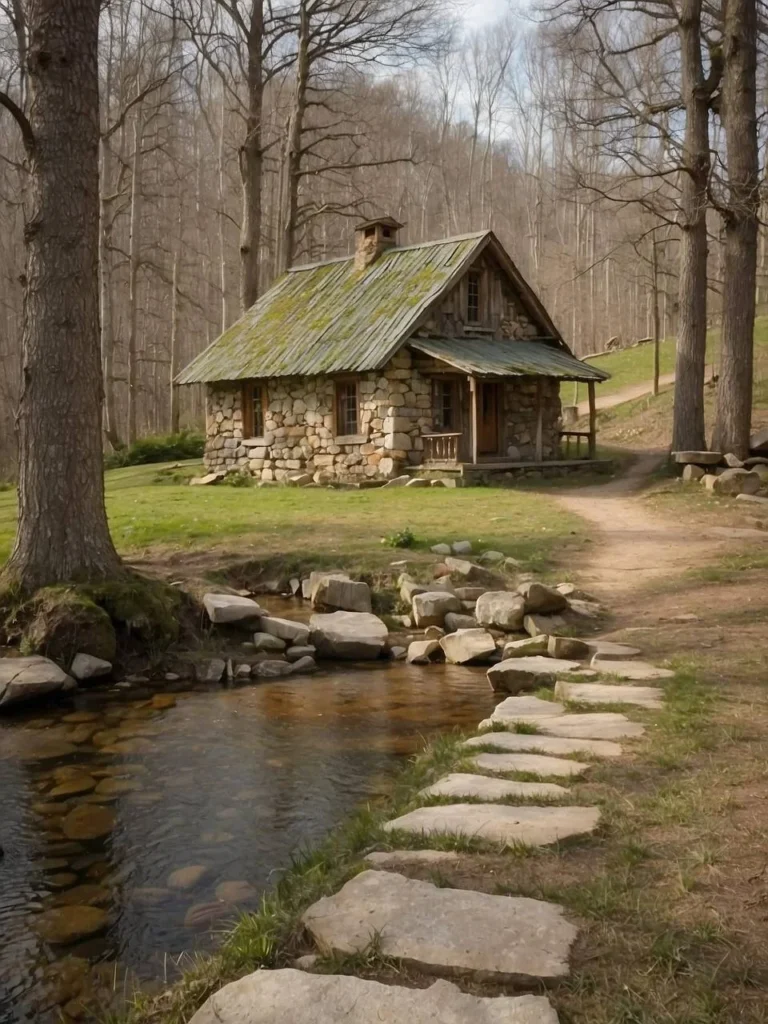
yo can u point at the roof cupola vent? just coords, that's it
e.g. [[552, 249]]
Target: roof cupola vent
[[372, 237]]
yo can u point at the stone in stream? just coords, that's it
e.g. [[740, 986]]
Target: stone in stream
[[461, 784], [227, 608], [468, 645], [525, 648], [535, 764], [607, 650], [88, 821], [188, 877], [239, 892], [272, 669], [297, 652], [500, 610], [87, 666], [421, 652], [517, 709], [276, 997], [431, 607], [516, 674], [335, 591], [295, 633], [202, 915], [568, 647], [23, 679], [210, 671], [73, 786], [267, 642], [597, 725], [556, 745], [87, 895], [500, 823], [455, 621], [357, 636], [303, 666], [638, 670], [600, 693], [445, 931], [63, 926]]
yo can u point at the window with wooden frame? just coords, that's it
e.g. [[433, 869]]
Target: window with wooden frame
[[473, 297], [254, 409], [445, 404], [347, 407]]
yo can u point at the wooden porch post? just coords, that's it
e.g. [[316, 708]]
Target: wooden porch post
[[592, 419], [539, 423], [473, 417]]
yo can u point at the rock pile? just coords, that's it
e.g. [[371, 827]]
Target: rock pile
[[725, 473]]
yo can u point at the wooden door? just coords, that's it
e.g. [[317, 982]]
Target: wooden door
[[488, 416]]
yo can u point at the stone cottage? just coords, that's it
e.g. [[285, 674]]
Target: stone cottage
[[435, 356]]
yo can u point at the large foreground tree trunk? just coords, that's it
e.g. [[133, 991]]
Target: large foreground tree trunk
[[734, 389], [252, 163], [63, 533], [688, 418]]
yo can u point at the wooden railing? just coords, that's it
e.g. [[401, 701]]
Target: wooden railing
[[569, 438], [441, 447]]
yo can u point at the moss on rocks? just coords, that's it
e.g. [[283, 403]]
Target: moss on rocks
[[61, 621]]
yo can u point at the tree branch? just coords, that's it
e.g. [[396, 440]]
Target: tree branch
[[20, 117]]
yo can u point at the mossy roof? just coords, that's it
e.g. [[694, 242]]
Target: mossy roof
[[485, 357], [330, 318]]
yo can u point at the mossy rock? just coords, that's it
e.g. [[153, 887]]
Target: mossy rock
[[143, 609], [60, 622]]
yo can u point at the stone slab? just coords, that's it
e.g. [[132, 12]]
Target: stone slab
[[536, 764], [516, 709], [24, 679], [555, 745], [602, 693], [630, 669], [224, 608], [500, 823], [607, 650], [698, 458], [358, 636], [527, 673], [406, 858], [445, 931], [596, 725], [461, 784], [278, 997]]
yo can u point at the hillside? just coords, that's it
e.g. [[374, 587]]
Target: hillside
[[647, 422]]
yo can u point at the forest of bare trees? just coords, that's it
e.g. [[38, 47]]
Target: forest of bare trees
[[240, 136]]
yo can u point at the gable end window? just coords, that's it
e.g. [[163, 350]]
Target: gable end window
[[347, 406], [473, 297], [254, 409]]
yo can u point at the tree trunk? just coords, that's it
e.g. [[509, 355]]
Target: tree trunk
[[174, 345], [63, 533], [134, 265], [656, 313], [107, 313], [292, 155], [252, 163], [734, 389], [688, 417]]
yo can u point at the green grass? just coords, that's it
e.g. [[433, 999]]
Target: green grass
[[324, 526], [635, 365]]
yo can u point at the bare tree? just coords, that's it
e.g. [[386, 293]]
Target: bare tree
[[62, 533]]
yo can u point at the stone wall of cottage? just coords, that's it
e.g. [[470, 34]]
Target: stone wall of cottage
[[395, 410], [521, 417]]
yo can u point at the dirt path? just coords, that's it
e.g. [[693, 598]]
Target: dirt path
[[627, 394], [632, 546]]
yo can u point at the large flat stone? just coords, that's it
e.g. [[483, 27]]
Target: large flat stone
[[638, 670], [445, 931], [286, 629], [556, 745], [500, 823], [603, 693], [607, 650], [356, 636], [279, 997], [466, 645], [535, 764], [336, 591], [595, 725], [23, 679], [480, 787], [431, 607], [516, 674], [517, 709]]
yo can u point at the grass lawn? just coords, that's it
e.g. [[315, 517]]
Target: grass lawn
[[320, 526], [635, 365]]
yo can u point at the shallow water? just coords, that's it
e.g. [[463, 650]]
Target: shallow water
[[235, 780]]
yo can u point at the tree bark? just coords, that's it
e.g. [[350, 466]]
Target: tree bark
[[252, 163], [105, 283], [734, 389], [134, 266], [62, 533], [688, 416], [292, 153]]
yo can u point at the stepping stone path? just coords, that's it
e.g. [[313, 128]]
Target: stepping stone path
[[445, 931], [481, 787], [557, 745], [274, 997], [602, 693], [441, 930], [535, 764]]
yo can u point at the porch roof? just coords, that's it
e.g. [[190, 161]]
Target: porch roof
[[485, 357]]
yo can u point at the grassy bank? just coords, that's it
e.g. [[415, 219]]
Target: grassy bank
[[152, 518], [646, 941]]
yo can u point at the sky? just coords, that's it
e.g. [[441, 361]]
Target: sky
[[480, 12]]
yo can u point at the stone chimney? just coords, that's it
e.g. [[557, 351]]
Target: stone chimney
[[372, 237]]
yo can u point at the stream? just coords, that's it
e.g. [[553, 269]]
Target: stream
[[103, 798]]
